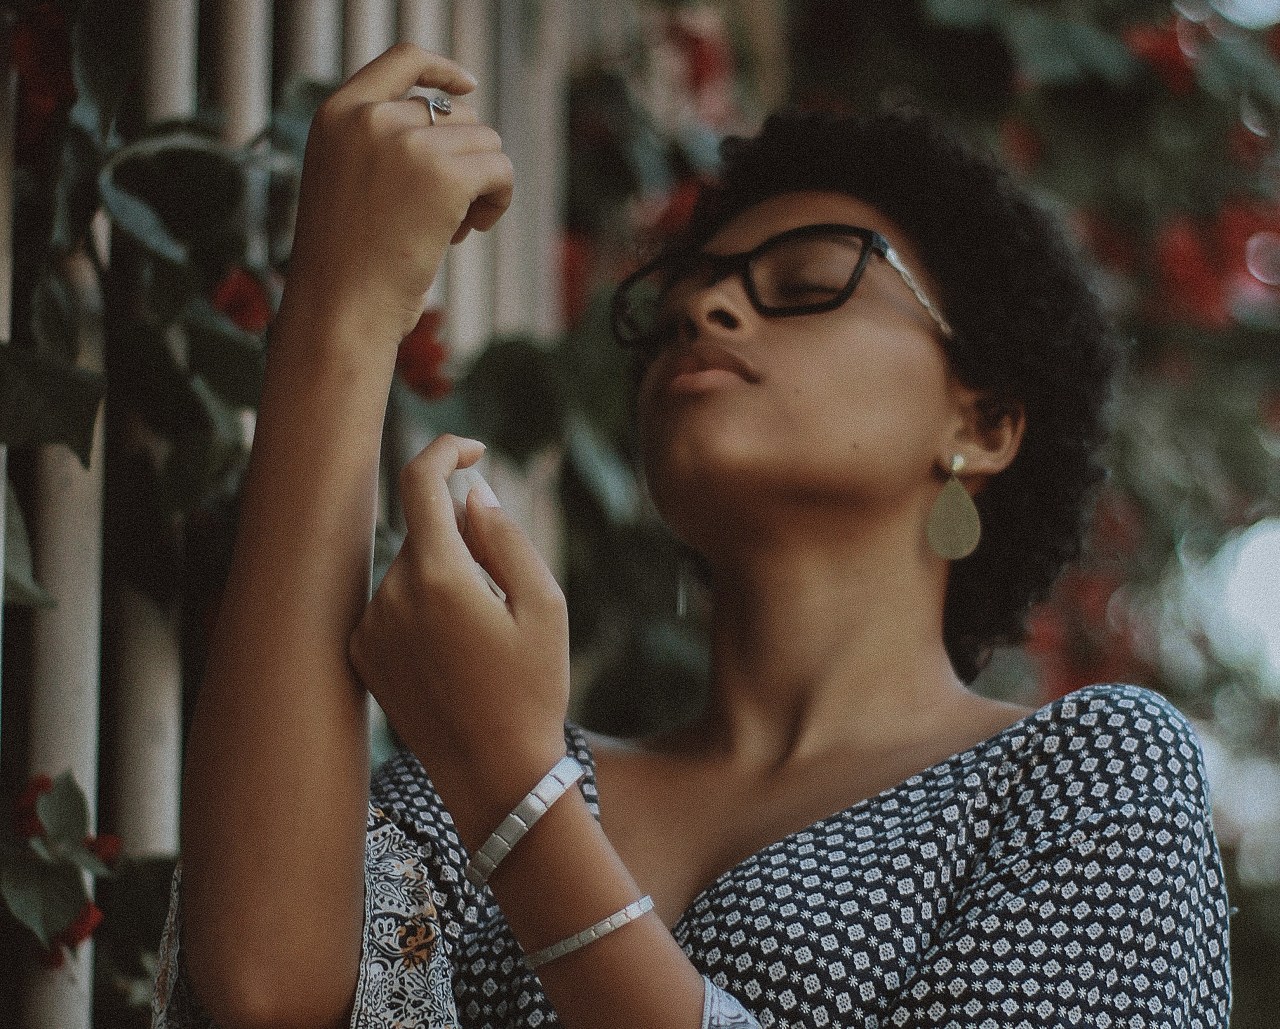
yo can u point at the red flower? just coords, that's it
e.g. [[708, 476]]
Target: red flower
[[421, 358], [1247, 147], [243, 298], [105, 847], [576, 261], [1091, 593], [1117, 525], [25, 820], [1021, 145], [708, 58], [700, 37], [1193, 284], [80, 929], [41, 55], [1109, 243], [1269, 411], [1168, 48], [1046, 631], [679, 205]]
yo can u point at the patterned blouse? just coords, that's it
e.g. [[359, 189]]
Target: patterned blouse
[[1063, 872]]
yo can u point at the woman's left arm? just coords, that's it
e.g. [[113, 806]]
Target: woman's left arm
[[478, 688]]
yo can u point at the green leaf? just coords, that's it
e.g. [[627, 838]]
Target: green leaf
[[229, 359], [107, 53], [45, 898], [204, 453], [514, 396], [54, 317], [965, 14], [46, 400], [139, 220], [64, 812], [135, 904], [148, 187], [20, 587], [1054, 49], [608, 477], [89, 861], [291, 119], [75, 195]]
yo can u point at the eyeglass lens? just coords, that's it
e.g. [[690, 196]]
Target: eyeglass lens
[[791, 274]]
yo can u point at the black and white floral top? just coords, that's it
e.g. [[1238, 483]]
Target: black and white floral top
[[1063, 872]]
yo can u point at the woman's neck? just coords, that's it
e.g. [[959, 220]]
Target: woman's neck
[[826, 640]]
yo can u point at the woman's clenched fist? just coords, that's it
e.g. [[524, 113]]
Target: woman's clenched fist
[[384, 192]]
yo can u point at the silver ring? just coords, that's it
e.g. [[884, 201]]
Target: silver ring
[[443, 104]]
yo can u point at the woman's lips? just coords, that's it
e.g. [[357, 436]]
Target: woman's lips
[[701, 380], [706, 366]]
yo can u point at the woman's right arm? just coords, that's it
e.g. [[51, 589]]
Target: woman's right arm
[[275, 785]]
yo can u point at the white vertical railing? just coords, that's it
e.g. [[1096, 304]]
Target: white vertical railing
[[8, 92], [170, 60], [312, 33], [531, 78], [427, 23], [369, 28], [470, 281], [66, 645], [147, 740]]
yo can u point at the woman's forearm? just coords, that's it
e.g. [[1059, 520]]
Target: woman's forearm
[[275, 787], [563, 876]]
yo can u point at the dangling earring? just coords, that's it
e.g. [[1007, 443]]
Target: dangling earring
[[682, 592], [954, 528]]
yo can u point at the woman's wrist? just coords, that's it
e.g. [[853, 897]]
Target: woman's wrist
[[479, 794], [333, 326]]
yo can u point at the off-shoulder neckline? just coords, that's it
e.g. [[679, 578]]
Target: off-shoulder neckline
[[1042, 715]]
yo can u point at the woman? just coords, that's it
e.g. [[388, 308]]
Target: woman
[[863, 326]]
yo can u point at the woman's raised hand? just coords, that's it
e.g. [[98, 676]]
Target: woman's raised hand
[[477, 686], [384, 192]]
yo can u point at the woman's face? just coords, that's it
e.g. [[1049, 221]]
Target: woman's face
[[844, 409]]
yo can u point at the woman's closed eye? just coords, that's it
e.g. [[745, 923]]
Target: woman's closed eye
[[810, 283]]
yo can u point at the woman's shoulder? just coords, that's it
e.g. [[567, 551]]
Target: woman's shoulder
[[1129, 737]]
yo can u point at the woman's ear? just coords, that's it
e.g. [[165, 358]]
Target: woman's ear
[[987, 431]]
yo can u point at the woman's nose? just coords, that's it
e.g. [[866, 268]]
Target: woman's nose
[[715, 306]]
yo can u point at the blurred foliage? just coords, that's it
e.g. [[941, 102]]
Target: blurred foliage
[[1151, 129]]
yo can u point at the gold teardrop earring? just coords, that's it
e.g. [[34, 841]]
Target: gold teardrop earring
[[954, 528]]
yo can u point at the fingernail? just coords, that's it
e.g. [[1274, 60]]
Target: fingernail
[[470, 78], [484, 494]]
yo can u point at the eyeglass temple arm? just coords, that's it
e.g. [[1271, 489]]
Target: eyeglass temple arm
[[895, 261]]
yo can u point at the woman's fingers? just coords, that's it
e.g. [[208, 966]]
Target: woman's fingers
[[504, 551], [412, 113], [393, 73], [494, 183], [428, 506]]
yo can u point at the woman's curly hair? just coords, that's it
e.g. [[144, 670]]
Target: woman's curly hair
[[1028, 328]]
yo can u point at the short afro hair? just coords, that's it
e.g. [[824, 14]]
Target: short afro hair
[[1028, 330]]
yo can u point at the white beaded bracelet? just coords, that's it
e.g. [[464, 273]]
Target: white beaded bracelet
[[551, 787], [602, 928]]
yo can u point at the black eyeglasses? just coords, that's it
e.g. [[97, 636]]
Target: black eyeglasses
[[805, 270]]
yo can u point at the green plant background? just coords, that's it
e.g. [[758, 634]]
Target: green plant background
[[1130, 150]]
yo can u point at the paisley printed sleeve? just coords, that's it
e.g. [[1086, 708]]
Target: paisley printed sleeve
[[405, 977]]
